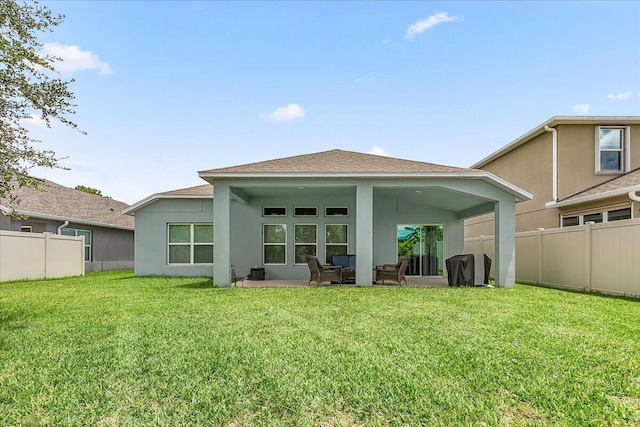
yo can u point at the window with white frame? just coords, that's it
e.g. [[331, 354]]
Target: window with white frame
[[568, 221], [618, 214], [274, 241], [612, 148], [336, 240], [190, 244], [612, 214], [306, 241], [87, 239]]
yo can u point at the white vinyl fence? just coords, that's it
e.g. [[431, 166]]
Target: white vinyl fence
[[601, 257], [40, 255]]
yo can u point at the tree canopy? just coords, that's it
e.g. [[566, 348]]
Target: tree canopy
[[29, 87]]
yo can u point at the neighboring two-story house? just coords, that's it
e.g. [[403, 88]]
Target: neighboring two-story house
[[579, 169]]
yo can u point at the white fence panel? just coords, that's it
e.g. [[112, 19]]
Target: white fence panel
[[598, 257], [615, 254], [564, 257], [39, 256]]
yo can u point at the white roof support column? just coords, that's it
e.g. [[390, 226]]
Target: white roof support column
[[505, 243], [222, 235], [364, 234]]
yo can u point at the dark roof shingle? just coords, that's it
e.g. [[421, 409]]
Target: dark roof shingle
[[620, 183], [56, 200], [335, 161], [198, 190]]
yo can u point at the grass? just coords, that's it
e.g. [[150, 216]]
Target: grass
[[111, 349]]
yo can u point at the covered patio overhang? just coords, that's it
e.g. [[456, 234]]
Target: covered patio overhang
[[379, 202]]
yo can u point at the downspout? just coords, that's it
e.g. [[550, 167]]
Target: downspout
[[64, 224], [554, 149], [633, 196]]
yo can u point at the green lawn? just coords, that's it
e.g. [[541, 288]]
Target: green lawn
[[111, 349]]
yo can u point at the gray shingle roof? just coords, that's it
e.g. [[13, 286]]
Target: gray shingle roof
[[198, 190], [73, 205], [620, 183], [335, 161]]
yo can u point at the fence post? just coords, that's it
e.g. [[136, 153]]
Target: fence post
[[539, 243], [46, 254], [82, 263], [587, 230]]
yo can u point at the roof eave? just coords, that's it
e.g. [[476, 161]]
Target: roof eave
[[367, 175], [517, 192], [151, 199], [63, 218], [594, 197]]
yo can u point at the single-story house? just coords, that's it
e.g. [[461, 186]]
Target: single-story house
[[108, 234], [273, 213]]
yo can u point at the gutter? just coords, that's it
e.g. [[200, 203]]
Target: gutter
[[554, 153], [61, 218], [630, 191]]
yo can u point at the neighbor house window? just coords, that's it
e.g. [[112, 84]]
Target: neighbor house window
[[274, 211], [337, 240], [336, 211], [190, 244], [612, 148], [568, 221], [594, 217], [87, 239], [619, 214], [26, 229], [306, 241], [616, 214], [274, 241]]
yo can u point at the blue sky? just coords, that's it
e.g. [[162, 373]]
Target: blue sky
[[165, 89]]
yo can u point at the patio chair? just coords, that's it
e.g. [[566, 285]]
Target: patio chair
[[393, 272], [323, 273]]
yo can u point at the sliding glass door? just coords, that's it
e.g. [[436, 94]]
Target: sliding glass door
[[424, 243]]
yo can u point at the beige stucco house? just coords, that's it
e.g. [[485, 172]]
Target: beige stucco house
[[579, 169]]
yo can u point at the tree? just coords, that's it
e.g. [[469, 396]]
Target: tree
[[88, 190], [29, 86]]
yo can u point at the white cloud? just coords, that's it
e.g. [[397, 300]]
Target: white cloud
[[74, 59], [581, 108], [34, 122], [378, 151], [430, 22], [619, 96], [285, 114]]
